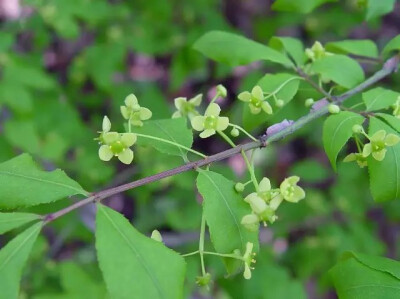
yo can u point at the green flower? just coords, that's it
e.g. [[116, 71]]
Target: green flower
[[251, 222], [317, 51], [115, 144], [290, 191], [187, 108], [256, 100], [378, 143], [248, 259], [396, 108], [210, 122], [358, 157], [133, 112]]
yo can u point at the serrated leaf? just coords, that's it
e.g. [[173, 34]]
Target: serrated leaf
[[133, 264], [288, 86], [234, 50], [174, 130], [224, 209], [300, 6], [290, 46], [392, 45], [384, 175], [379, 8], [13, 257], [340, 69], [337, 131], [363, 47], [379, 98], [23, 184], [394, 122], [9, 221], [363, 276]]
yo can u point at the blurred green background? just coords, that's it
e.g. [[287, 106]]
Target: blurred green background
[[64, 64]]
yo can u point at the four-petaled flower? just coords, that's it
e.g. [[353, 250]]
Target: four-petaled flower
[[115, 144], [290, 191], [187, 108], [378, 143], [248, 259], [211, 122], [133, 112], [256, 100], [317, 51]]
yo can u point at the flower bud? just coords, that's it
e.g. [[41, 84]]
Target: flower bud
[[333, 109], [309, 102], [235, 132], [279, 103], [239, 187], [357, 129], [156, 236], [222, 90]]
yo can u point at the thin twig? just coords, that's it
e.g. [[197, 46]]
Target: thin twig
[[389, 67], [313, 84]]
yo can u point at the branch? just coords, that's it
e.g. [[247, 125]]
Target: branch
[[312, 83], [389, 67]]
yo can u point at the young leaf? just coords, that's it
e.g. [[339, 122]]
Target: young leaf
[[340, 69], [174, 130], [290, 46], [13, 257], [336, 132], [392, 45], [363, 276], [234, 50], [394, 122], [301, 6], [384, 175], [363, 47], [285, 86], [379, 98], [224, 209], [9, 221], [135, 265], [379, 8], [23, 184]]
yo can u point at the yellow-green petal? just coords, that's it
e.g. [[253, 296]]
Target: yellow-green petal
[[213, 110], [266, 107], [244, 96], [257, 93], [196, 101], [177, 114], [257, 204], [378, 136], [265, 185], [367, 150], [350, 158], [125, 112], [106, 126], [222, 123], [254, 110], [180, 102], [198, 123], [128, 139], [380, 155], [207, 133], [105, 153], [391, 139], [131, 100], [145, 113], [126, 156], [110, 137]]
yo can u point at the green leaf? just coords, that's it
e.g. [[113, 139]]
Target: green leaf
[[300, 6], [289, 46], [392, 45], [13, 257], [379, 98], [9, 221], [384, 175], [287, 84], [340, 69], [336, 132], [224, 209], [23, 184], [135, 265], [379, 8], [363, 47], [363, 276], [234, 50], [394, 122], [174, 130]]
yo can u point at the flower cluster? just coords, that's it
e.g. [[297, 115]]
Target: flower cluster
[[114, 144], [210, 122], [266, 201], [256, 100], [376, 147]]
